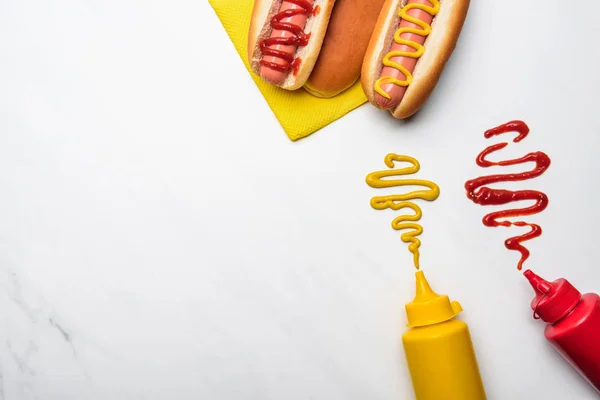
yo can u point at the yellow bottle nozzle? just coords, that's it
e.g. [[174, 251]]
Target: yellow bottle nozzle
[[424, 291], [428, 307]]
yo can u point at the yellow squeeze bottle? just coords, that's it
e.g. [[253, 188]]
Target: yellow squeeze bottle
[[438, 348]]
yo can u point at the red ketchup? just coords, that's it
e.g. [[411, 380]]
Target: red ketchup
[[573, 323], [480, 193]]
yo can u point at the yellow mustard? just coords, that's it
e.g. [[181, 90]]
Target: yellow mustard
[[399, 201], [423, 30], [438, 348]]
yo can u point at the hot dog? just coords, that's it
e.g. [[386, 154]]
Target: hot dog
[[285, 39], [278, 58], [411, 43], [312, 43]]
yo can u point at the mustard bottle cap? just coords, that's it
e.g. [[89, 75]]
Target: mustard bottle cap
[[428, 307]]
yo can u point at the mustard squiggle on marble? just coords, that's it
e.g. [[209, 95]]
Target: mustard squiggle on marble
[[401, 201]]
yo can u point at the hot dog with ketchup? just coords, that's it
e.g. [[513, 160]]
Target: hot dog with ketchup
[[411, 43], [315, 44], [285, 39]]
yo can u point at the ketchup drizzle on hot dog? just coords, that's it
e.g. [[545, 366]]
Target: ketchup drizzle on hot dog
[[298, 38], [296, 65], [483, 195]]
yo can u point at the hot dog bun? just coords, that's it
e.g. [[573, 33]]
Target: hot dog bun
[[339, 63], [439, 45], [260, 29]]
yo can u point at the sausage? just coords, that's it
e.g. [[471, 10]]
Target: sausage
[[396, 92], [280, 49]]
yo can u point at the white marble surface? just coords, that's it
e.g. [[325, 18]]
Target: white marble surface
[[160, 237]]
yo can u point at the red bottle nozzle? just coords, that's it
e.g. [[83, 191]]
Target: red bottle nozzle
[[553, 300], [540, 285]]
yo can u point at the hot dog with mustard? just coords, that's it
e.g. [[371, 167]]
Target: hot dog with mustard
[[411, 43]]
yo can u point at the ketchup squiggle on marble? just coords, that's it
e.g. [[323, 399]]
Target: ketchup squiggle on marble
[[480, 193]]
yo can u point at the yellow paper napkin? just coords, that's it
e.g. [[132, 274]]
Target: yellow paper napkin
[[298, 112]]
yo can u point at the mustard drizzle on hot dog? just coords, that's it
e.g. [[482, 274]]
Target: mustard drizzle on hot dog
[[423, 30]]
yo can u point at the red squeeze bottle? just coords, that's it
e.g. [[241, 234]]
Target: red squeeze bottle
[[573, 323]]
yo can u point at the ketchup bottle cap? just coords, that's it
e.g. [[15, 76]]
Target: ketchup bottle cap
[[553, 300]]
